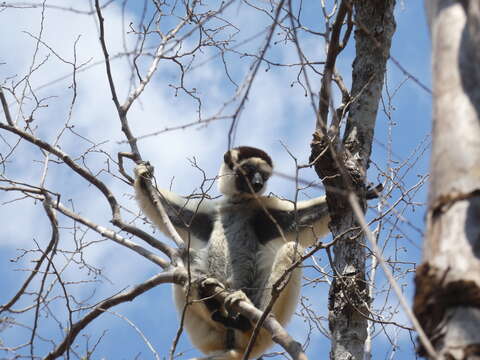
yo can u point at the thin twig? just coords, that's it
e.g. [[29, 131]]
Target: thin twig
[[50, 248], [129, 295], [254, 73], [112, 235]]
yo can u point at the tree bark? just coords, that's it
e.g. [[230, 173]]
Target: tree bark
[[343, 170], [447, 298]]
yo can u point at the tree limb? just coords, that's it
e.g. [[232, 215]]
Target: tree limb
[[129, 295], [279, 335]]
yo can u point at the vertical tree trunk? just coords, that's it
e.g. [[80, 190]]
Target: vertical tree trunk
[[344, 171], [447, 299]]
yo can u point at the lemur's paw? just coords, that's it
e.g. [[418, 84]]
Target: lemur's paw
[[210, 282], [204, 284], [236, 297], [144, 169]]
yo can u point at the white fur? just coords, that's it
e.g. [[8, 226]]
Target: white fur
[[226, 181]]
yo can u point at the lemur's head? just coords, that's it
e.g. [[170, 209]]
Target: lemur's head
[[245, 171]]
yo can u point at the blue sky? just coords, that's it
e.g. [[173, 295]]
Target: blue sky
[[276, 113]]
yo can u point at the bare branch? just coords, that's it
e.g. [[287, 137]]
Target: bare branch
[[253, 73], [65, 158], [334, 49], [162, 278], [112, 235], [51, 247], [122, 113], [116, 220], [153, 67]]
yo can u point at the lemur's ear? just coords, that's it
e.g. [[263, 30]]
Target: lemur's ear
[[227, 158]]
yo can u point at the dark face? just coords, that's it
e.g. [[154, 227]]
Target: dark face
[[249, 177]]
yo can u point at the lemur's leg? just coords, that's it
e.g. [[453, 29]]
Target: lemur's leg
[[285, 304]]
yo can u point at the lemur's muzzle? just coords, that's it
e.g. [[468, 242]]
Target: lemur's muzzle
[[257, 182]]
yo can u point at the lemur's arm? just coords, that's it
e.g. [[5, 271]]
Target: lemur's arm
[[309, 220], [192, 216]]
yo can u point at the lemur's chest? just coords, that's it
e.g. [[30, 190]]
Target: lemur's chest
[[234, 250], [235, 229], [233, 236]]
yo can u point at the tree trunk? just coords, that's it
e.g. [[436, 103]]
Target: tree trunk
[[447, 298], [343, 170]]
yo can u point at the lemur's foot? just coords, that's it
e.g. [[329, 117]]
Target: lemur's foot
[[144, 169]]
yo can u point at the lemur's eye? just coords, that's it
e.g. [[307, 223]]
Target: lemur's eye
[[247, 169]]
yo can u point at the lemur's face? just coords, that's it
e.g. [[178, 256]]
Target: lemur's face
[[251, 175], [245, 170]]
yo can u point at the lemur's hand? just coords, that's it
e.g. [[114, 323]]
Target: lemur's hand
[[209, 281], [144, 170]]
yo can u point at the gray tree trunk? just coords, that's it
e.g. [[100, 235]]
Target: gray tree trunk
[[447, 299], [343, 169]]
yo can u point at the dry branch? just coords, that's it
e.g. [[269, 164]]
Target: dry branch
[[112, 235], [334, 49], [130, 295]]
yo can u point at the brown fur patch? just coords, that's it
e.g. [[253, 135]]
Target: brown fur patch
[[245, 152]]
